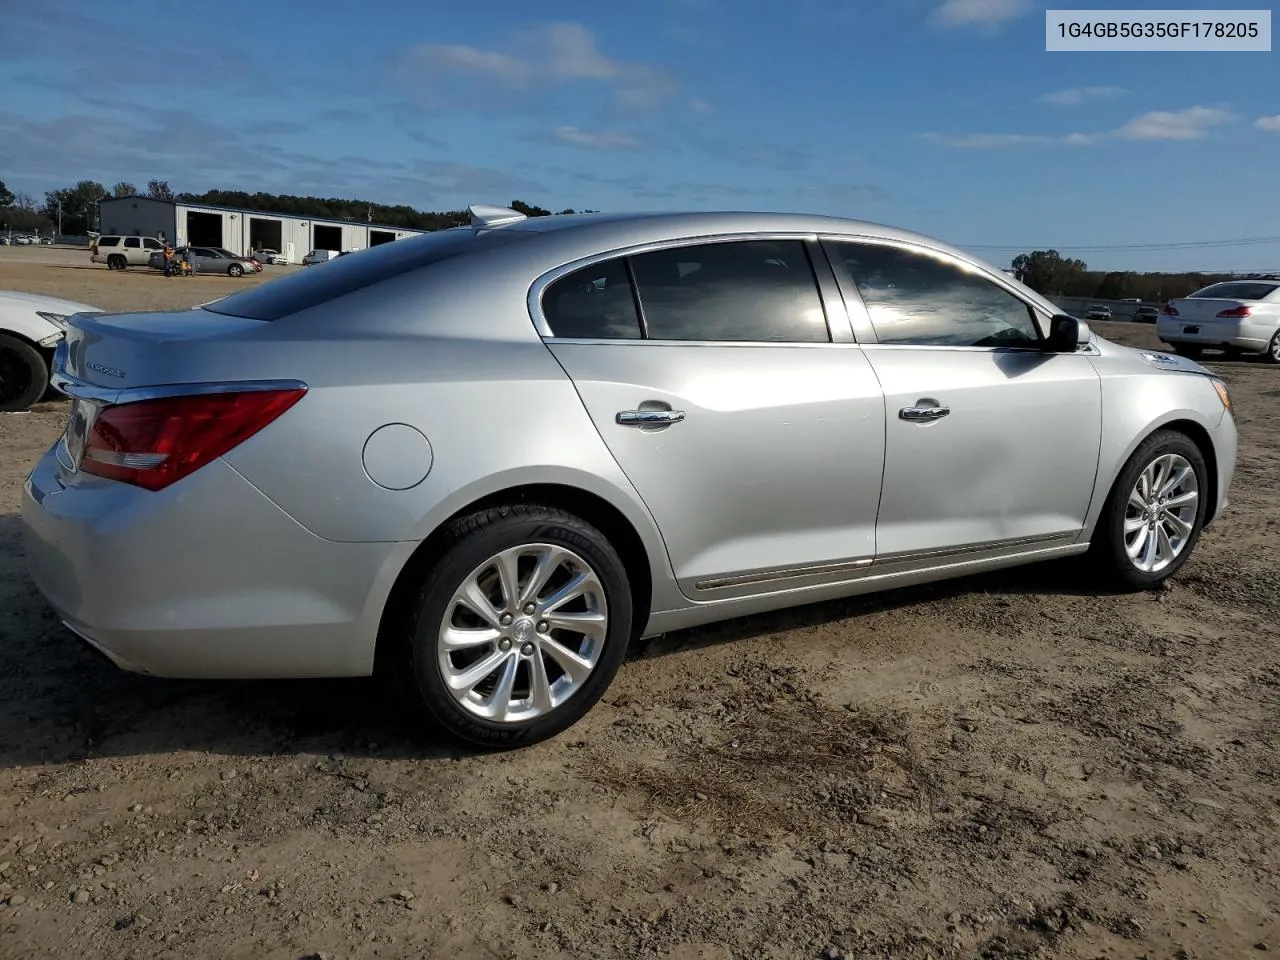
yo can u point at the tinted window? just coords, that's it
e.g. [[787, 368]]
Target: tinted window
[[1239, 290], [151, 244], [289, 295], [915, 298], [742, 290], [594, 302], [132, 243], [108, 241]]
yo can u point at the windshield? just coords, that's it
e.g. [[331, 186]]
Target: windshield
[[1236, 290]]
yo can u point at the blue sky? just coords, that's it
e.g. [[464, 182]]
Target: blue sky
[[945, 117]]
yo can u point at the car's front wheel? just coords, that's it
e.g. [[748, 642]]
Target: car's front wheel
[[1153, 516], [519, 628], [235, 270]]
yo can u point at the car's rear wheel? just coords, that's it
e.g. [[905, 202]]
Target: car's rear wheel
[[24, 374], [1189, 350], [1153, 516], [235, 270], [1273, 349], [519, 628], [117, 262]]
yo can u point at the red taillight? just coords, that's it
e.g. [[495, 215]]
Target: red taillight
[[1168, 310], [1235, 313], [153, 443]]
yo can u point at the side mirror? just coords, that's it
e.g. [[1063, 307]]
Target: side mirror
[[1067, 334]]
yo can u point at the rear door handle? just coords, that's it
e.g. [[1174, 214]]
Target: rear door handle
[[648, 418], [923, 414]]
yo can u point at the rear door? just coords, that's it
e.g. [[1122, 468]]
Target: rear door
[[747, 420], [991, 443]]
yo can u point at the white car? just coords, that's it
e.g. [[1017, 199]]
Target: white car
[[1239, 316], [319, 256], [31, 326], [270, 257]]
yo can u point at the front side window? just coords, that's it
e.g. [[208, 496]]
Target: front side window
[[915, 298], [595, 302], [748, 290]]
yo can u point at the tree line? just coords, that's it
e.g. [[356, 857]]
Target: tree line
[[1049, 273], [76, 207]]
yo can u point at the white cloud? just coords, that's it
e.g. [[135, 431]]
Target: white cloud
[[547, 55], [601, 140], [1268, 124], [1074, 96], [1194, 123], [964, 13], [1190, 124], [701, 107]]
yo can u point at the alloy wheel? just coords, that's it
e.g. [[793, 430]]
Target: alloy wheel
[[1161, 513], [522, 633]]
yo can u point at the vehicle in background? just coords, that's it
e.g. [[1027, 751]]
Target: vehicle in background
[[1097, 311], [270, 257], [1239, 316], [1131, 300], [47, 241], [23, 240], [31, 326], [319, 256], [119, 252], [210, 260], [484, 460], [1146, 315]]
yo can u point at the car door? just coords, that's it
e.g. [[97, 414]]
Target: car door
[[991, 441], [749, 423]]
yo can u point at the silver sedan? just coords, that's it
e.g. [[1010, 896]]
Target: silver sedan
[[483, 461]]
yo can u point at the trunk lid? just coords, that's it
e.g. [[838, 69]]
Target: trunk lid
[[1203, 310], [121, 350]]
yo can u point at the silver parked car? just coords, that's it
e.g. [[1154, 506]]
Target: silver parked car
[[484, 460], [1241, 316]]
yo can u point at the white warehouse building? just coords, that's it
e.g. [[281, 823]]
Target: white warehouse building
[[238, 230]]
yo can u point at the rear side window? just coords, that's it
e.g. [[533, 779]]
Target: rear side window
[[132, 243], [108, 241], [343, 275], [151, 244], [749, 290], [595, 302], [1236, 290]]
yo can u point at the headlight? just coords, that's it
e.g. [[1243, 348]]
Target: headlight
[[57, 319], [1223, 393]]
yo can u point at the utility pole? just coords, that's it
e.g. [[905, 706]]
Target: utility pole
[[59, 216]]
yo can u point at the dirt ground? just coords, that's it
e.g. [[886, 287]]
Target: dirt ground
[[1013, 765]]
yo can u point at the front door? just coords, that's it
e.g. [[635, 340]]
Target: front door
[[756, 443], [990, 441]]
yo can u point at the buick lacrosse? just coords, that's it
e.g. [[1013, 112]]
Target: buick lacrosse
[[484, 460]]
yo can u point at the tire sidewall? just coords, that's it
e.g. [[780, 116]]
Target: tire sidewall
[[235, 270], [1273, 349], [1158, 444], [529, 526], [39, 373]]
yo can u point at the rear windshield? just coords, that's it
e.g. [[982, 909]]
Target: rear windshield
[[340, 276], [1236, 290]]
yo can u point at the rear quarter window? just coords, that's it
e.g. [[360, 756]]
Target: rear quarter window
[[340, 276], [108, 241]]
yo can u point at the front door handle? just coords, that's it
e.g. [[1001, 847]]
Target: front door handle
[[648, 418], [923, 412]]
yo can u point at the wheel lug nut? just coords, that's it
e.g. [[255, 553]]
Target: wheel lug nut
[[504, 645], [505, 620], [543, 626], [529, 608], [527, 650]]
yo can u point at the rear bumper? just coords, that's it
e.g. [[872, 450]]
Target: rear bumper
[[207, 578], [1238, 335]]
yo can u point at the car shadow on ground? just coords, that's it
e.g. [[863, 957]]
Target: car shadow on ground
[[61, 701]]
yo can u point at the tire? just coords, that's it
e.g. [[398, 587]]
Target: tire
[[1109, 547], [1273, 349], [235, 270], [1189, 350], [477, 543], [117, 262], [24, 374]]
